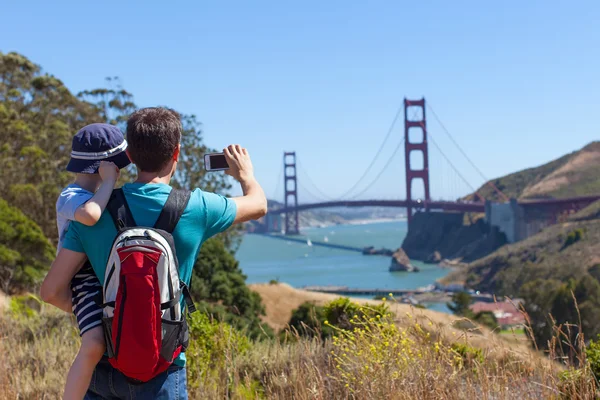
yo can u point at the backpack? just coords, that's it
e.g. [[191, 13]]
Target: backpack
[[144, 325]]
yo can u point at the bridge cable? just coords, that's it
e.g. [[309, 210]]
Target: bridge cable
[[488, 182], [387, 136], [311, 194], [279, 178], [319, 191], [387, 164], [449, 162]]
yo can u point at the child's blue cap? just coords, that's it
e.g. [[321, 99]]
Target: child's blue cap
[[95, 143]]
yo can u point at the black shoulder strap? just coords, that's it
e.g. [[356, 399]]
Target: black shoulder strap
[[173, 210], [119, 210]]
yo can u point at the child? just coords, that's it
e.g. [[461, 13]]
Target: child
[[98, 152]]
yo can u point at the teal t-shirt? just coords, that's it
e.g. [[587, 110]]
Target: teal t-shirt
[[206, 215]]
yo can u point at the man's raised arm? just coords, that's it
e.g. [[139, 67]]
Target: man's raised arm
[[253, 203]]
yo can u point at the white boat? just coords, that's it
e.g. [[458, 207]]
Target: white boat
[[326, 239], [308, 242]]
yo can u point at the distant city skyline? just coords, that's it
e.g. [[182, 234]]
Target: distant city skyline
[[516, 83]]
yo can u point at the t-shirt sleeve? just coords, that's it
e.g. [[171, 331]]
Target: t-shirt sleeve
[[71, 240], [70, 201], [220, 213]]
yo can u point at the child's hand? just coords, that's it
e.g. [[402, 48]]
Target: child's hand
[[108, 172]]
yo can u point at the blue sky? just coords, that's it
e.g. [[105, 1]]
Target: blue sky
[[516, 83]]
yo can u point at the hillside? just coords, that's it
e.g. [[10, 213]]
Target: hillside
[[281, 299], [575, 174], [546, 255]]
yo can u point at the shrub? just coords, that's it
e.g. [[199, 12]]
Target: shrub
[[309, 320], [212, 345], [343, 313], [468, 355], [592, 353], [573, 237]]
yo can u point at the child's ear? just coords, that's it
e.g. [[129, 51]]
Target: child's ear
[[176, 153]]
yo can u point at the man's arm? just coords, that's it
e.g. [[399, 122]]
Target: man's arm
[[56, 286], [253, 203], [90, 212]]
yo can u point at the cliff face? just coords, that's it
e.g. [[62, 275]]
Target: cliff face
[[434, 236]]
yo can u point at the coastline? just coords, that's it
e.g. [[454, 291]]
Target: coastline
[[354, 222]]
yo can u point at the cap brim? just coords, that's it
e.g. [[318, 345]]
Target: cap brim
[[80, 166]]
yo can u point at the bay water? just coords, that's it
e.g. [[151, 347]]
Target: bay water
[[263, 259]]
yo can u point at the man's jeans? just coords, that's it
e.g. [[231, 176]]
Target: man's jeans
[[108, 383]]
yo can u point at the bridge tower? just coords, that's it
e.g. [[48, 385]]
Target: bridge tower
[[290, 187], [419, 125]]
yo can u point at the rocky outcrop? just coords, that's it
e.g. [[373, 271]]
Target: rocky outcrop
[[401, 262], [434, 236], [434, 258], [372, 251]]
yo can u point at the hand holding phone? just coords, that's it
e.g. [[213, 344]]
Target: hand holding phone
[[215, 162], [240, 165]]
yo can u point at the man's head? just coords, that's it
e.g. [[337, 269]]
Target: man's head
[[153, 136]]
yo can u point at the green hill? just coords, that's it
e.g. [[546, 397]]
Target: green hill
[[575, 174], [560, 252]]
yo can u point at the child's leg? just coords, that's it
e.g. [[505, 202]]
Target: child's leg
[[86, 290], [80, 374]]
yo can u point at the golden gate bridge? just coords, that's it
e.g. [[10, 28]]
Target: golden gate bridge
[[550, 207]]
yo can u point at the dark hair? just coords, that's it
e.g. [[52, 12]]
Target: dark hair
[[153, 134]]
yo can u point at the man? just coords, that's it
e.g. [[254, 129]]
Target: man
[[153, 136]]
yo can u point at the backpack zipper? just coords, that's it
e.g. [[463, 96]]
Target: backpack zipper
[[120, 322]]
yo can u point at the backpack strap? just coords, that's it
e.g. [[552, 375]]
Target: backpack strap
[[119, 210], [173, 210]]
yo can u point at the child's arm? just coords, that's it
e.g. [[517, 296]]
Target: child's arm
[[56, 286], [89, 213]]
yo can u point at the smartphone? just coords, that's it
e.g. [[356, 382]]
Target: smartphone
[[215, 162]]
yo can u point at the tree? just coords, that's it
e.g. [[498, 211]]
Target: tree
[[38, 118], [460, 304], [25, 252], [574, 306], [219, 286]]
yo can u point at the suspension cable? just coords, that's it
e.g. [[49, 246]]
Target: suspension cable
[[488, 182], [311, 194], [387, 164], [449, 162], [387, 136], [279, 177], [319, 191]]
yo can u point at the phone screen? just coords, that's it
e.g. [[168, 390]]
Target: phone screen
[[218, 161]]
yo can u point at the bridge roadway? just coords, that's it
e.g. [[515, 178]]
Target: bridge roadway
[[463, 206], [314, 243]]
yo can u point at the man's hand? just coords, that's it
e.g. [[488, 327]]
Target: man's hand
[[109, 172], [240, 165], [253, 204]]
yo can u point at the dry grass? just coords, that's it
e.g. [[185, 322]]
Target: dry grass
[[412, 356], [563, 176], [281, 299]]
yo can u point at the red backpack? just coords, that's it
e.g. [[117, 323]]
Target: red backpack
[[144, 321]]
